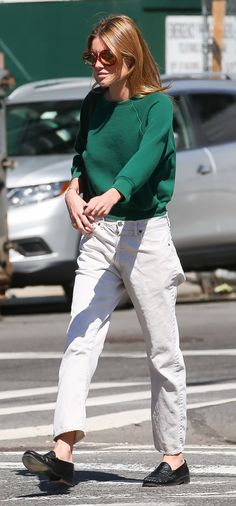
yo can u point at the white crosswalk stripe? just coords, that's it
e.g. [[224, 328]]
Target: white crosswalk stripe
[[122, 406], [49, 355]]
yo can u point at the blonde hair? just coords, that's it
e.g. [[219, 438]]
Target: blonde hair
[[124, 39]]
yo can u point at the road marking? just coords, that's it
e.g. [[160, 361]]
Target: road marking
[[218, 476], [214, 469], [216, 387], [148, 449], [197, 405], [31, 355], [95, 423], [101, 400], [186, 353], [107, 400], [226, 450], [191, 452], [221, 469], [27, 409], [32, 392], [27, 392], [210, 353], [98, 422]]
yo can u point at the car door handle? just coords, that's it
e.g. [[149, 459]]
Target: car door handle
[[204, 169]]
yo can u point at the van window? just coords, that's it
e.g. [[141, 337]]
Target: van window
[[217, 113], [42, 128], [183, 132]]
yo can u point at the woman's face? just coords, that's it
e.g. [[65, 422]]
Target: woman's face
[[106, 75]]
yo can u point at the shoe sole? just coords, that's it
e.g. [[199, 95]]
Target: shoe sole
[[35, 466], [182, 481]]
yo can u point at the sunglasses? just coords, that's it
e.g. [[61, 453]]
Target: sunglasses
[[106, 57]]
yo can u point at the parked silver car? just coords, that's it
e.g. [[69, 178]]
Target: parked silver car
[[43, 119]]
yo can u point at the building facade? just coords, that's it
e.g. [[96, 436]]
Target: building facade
[[42, 40]]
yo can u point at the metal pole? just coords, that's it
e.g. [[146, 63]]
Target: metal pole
[[218, 14]]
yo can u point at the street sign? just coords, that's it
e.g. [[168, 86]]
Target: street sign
[[184, 44]]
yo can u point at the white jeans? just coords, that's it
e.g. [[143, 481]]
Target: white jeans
[[140, 256]]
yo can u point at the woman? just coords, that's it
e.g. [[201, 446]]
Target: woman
[[126, 161]]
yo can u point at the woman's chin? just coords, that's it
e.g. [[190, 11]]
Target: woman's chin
[[102, 83], [102, 80]]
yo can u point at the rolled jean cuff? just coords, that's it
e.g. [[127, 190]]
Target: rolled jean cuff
[[173, 453], [80, 434]]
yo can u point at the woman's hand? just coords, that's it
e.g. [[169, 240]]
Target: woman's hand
[[76, 206], [100, 206]]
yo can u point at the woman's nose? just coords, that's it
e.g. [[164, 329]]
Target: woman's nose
[[98, 64]]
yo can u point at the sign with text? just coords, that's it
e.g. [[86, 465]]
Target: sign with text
[[184, 44]]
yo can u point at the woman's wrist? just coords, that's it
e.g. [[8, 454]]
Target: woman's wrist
[[117, 195], [73, 185], [71, 188]]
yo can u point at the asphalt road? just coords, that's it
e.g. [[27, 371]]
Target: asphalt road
[[118, 451]]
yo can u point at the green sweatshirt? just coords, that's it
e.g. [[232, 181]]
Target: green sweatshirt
[[128, 145]]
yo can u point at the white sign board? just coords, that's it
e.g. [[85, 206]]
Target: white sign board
[[184, 44]]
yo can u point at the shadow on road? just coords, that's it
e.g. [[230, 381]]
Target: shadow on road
[[34, 305], [43, 304], [51, 488]]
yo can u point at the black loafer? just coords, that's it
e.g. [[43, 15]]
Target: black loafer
[[164, 475], [56, 469]]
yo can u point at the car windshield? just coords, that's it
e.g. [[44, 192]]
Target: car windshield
[[42, 128]]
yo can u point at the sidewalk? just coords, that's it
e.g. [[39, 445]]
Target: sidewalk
[[189, 291], [186, 290]]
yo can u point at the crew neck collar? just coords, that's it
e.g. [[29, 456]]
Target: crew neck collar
[[118, 102]]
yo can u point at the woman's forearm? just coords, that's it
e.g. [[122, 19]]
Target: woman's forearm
[[74, 185]]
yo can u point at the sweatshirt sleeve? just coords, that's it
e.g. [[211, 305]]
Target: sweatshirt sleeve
[[80, 142], [144, 162]]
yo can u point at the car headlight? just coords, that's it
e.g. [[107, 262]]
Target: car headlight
[[34, 194]]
